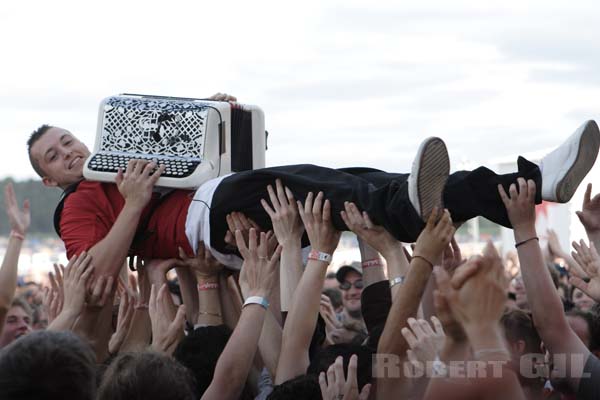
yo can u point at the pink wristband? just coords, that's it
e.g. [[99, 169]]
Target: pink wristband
[[372, 263], [208, 286], [17, 235]]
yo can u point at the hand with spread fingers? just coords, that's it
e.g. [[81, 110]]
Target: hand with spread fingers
[[452, 258], [335, 386], [520, 205], [204, 264], [283, 211], [52, 303], [450, 325], [434, 238], [328, 314], [260, 268], [237, 221], [590, 212], [425, 343], [375, 236], [19, 220], [316, 217], [589, 260], [137, 181], [167, 326]]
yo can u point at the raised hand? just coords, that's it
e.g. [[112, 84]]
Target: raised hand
[[137, 182], [19, 219], [76, 275], [450, 325], [434, 238], [476, 293], [589, 260], [425, 343], [328, 314], [590, 211], [520, 205], [204, 264], [452, 258], [374, 235], [167, 326], [124, 319], [260, 268], [237, 221], [283, 212], [316, 217], [101, 292], [223, 97], [335, 386]]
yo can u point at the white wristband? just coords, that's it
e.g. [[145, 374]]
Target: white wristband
[[261, 301], [396, 281], [319, 256]]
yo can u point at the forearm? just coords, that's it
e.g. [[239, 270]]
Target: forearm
[[290, 273], [110, 253], [300, 323], [235, 362], [209, 301], [372, 264], [544, 301], [397, 265], [187, 284], [64, 321], [269, 344], [9, 272], [404, 307]]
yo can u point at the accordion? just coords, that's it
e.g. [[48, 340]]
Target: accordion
[[195, 139]]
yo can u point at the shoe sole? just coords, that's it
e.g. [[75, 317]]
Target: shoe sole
[[434, 168], [584, 161]]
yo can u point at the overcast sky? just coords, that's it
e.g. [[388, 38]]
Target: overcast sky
[[342, 83]]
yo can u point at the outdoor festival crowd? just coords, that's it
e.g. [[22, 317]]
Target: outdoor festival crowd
[[409, 321]]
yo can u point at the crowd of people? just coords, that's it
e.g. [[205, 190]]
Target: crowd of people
[[406, 321]]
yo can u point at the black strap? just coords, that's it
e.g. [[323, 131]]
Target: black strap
[[61, 204]]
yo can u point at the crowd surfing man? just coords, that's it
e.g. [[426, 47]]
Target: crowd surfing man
[[112, 220]]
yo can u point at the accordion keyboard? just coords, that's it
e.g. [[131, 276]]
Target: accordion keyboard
[[175, 168]]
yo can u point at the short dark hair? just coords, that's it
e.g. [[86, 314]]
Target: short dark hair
[[199, 352], [303, 387], [592, 322], [48, 365], [328, 355], [518, 325], [146, 375], [21, 302], [34, 137]]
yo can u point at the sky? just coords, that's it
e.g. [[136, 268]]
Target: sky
[[342, 83]]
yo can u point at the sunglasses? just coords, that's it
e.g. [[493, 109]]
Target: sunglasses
[[358, 284]]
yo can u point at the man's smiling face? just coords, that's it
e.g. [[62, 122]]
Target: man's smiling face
[[61, 156]]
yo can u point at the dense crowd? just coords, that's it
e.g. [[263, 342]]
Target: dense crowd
[[409, 320]]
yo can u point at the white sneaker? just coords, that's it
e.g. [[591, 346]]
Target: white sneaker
[[428, 176], [564, 168]]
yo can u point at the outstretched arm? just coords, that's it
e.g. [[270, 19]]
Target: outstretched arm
[[546, 306], [19, 223]]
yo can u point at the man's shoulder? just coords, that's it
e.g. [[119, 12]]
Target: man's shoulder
[[92, 192]]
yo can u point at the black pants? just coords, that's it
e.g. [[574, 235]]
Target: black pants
[[383, 195]]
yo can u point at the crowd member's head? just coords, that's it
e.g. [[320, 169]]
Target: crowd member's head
[[303, 387], [48, 365], [146, 375], [199, 352], [56, 156], [351, 284], [581, 301], [522, 338], [18, 322]]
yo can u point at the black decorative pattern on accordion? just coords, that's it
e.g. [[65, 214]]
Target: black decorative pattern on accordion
[[154, 126]]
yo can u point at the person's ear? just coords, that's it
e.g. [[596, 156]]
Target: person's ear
[[49, 182]]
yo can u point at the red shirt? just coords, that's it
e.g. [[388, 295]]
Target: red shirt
[[90, 212]]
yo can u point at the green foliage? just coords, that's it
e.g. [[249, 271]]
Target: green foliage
[[43, 202]]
